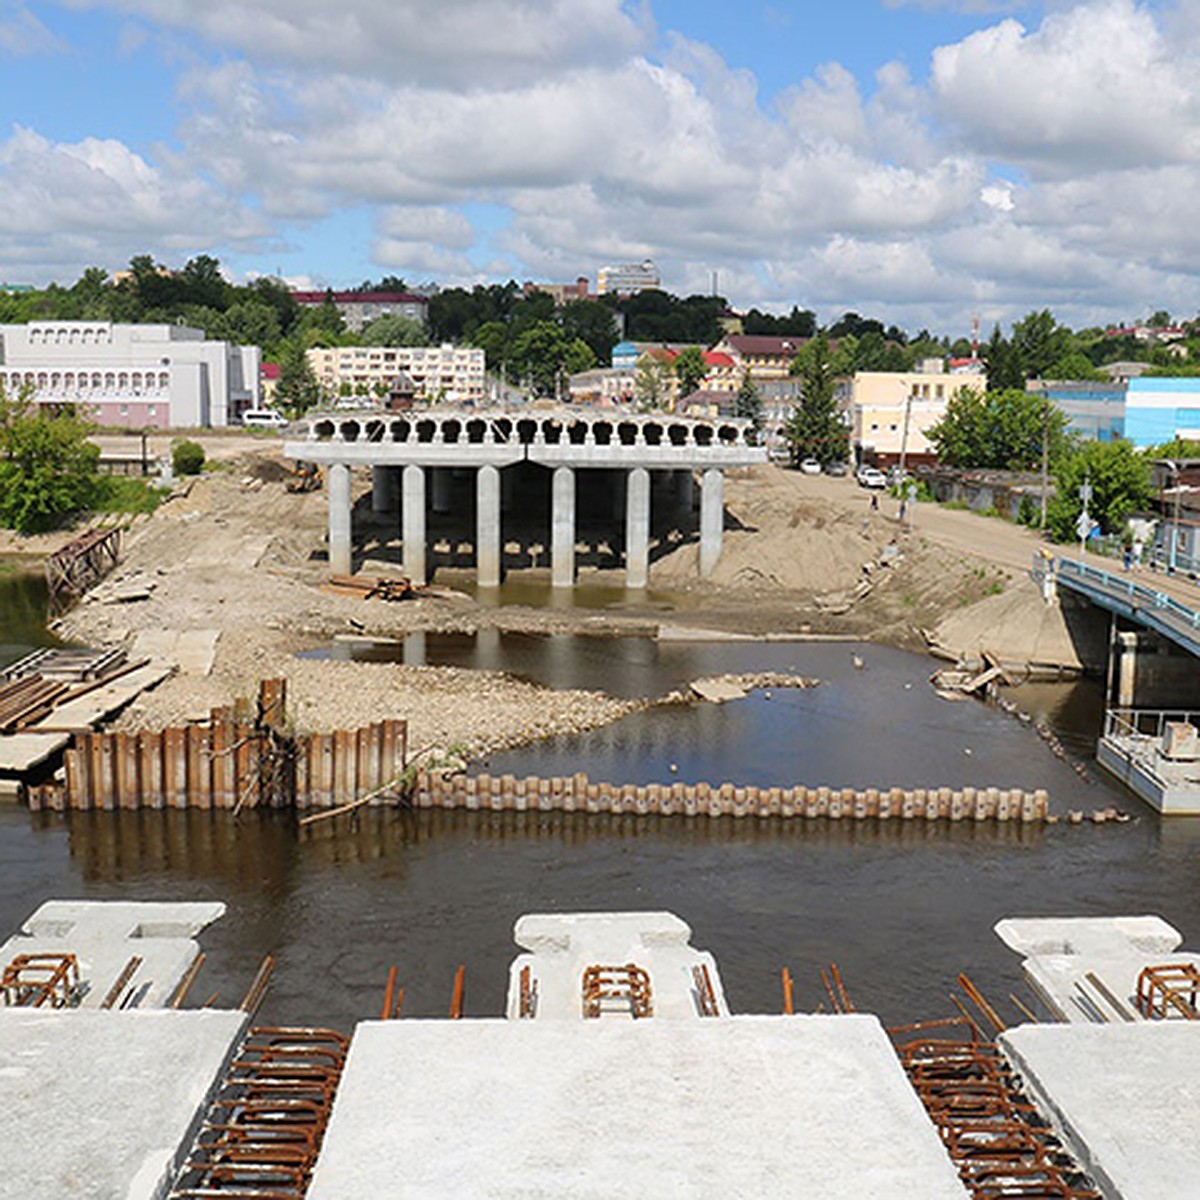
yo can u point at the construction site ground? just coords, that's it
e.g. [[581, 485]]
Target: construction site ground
[[235, 553]]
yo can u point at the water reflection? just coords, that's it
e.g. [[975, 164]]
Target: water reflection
[[22, 610]]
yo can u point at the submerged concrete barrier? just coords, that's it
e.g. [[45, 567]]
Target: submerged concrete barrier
[[577, 793]]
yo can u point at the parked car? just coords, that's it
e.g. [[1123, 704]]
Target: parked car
[[263, 418], [872, 477], [836, 468], [810, 466]]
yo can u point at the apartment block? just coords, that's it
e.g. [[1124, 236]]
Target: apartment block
[[449, 374]]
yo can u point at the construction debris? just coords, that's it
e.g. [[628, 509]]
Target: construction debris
[[370, 589]]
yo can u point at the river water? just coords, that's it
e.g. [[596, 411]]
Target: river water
[[901, 908]]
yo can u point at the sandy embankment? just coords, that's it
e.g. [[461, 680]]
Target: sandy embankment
[[236, 554]]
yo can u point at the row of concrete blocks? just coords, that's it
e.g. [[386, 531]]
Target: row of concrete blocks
[[507, 793]]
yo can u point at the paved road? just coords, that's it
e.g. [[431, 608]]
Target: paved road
[[1001, 542]]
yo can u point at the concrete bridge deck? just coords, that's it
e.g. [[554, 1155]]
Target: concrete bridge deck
[[407, 450]]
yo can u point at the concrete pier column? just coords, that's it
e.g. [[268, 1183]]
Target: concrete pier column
[[487, 527], [385, 489], [338, 486], [712, 519], [414, 523], [637, 528], [562, 528]]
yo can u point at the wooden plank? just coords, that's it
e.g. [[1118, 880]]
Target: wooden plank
[[76, 761], [303, 747], [245, 764], [222, 766], [125, 756]]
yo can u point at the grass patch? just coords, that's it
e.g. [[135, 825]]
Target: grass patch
[[127, 494]]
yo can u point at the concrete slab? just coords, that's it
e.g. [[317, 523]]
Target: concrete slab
[[191, 650], [104, 1105], [20, 752], [564, 945], [736, 1106], [91, 709], [1125, 1098], [105, 935], [1085, 969]]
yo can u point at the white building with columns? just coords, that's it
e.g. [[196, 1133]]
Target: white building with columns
[[131, 376], [412, 453]]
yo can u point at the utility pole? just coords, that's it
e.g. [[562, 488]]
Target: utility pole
[[904, 432], [1045, 455]]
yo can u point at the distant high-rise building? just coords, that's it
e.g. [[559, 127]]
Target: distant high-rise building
[[628, 279]]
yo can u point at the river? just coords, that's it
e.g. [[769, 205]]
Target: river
[[901, 908]]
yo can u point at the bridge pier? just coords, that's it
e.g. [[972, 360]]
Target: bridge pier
[[637, 528], [337, 485], [413, 523], [712, 519], [488, 539], [562, 528]]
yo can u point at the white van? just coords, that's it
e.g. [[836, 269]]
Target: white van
[[263, 418]]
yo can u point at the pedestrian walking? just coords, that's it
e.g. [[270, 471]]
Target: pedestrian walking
[[874, 501]]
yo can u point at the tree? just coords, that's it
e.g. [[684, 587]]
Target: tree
[[48, 468], [1039, 341], [1002, 430], [592, 322], [394, 330], [297, 390], [650, 383], [1004, 368], [748, 404], [577, 357], [252, 323], [1120, 480], [814, 428], [1075, 365], [690, 369], [537, 354]]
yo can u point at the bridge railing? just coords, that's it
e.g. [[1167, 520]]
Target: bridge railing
[[1138, 595], [1146, 725]]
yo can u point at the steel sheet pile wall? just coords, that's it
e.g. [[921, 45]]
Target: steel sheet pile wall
[[241, 758], [576, 793]]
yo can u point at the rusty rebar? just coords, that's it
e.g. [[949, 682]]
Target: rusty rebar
[[786, 977], [456, 997], [121, 982]]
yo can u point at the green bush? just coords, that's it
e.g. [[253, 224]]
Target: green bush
[[127, 494], [187, 457]]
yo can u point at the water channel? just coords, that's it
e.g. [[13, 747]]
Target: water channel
[[901, 908]]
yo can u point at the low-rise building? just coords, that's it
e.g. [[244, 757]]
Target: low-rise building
[[1094, 411], [560, 293], [1162, 408], [132, 376], [892, 412], [361, 308], [763, 356], [603, 385], [448, 374]]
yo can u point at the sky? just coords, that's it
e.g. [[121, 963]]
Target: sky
[[927, 162]]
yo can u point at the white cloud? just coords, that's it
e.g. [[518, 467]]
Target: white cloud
[[21, 33], [95, 201], [1048, 164]]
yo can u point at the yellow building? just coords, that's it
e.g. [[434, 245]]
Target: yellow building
[[892, 412], [449, 374]]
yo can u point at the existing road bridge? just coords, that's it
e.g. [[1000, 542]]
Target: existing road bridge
[[412, 453]]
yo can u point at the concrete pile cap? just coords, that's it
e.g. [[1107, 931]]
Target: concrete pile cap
[[1060, 953], [563, 945], [743, 1106], [1124, 1096], [104, 1105], [105, 935]]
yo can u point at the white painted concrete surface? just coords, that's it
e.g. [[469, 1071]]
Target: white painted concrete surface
[[103, 1105], [738, 1107], [1061, 953], [1125, 1097], [563, 945], [105, 935]]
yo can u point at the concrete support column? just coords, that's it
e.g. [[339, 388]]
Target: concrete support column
[[562, 528], [712, 519], [385, 489], [637, 528], [414, 523], [487, 527], [441, 481], [338, 487]]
